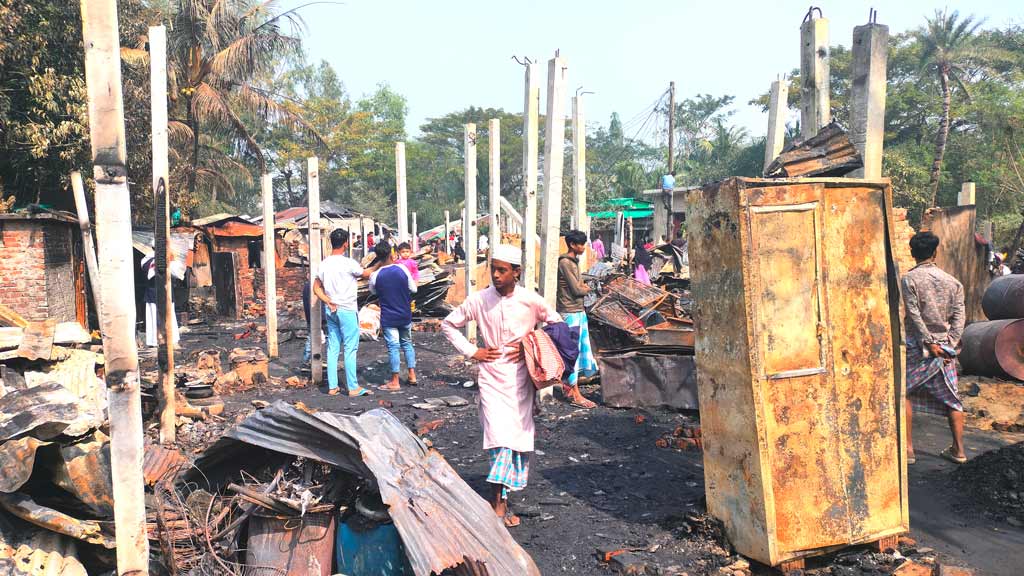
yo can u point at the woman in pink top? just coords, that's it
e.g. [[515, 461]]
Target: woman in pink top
[[504, 313]]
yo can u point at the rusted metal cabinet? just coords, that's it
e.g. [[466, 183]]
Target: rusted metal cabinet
[[799, 363]]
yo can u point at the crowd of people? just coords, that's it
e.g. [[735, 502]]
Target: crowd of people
[[505, 314]]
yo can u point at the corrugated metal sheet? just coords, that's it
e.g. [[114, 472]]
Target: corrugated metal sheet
[[159, 462], [236, 228], [77, 374], [42, 553], [198, 222], [442, 521]]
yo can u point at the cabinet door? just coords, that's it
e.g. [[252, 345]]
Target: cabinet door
[[802, 444]]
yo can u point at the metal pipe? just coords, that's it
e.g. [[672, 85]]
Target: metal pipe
[[994, 348]]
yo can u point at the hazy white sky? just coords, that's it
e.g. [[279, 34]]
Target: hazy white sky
[[446, 55]]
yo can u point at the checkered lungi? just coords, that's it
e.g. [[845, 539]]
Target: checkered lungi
[[931, 382], [508, 468], [585, 362]]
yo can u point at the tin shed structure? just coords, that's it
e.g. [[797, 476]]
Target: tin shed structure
[[799, 363]]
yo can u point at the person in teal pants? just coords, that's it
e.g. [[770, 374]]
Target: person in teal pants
[[336, 285]]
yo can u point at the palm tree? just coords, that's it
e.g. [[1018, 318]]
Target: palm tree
[[948, 47], [216, 52]]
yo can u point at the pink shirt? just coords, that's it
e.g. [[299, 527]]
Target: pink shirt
[[412, 266], [506, 393]]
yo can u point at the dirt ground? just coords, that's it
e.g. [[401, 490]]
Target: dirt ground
[[599, 481]]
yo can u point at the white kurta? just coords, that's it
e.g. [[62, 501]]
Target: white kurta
[[506, 393]]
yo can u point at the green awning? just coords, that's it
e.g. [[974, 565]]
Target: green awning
[[610, 214]]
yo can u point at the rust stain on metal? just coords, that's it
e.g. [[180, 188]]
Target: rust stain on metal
[[25, 508], [17, 458], [799, 375], [83, 469], [159, 463]]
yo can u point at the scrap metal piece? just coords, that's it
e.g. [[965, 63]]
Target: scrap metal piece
[[28, 510], [159, 462], [43, 553], [83, 469], [17, 458], [649, 376], [45, 411], [442, 521]]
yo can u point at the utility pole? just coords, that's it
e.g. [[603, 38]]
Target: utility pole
[[815, 111], [671, 126], [494, 190], [775, 139], [554, 147], [117, 290], [579, 171], [88, 245], [162, 228], [867, 102], [469, 219], [966, 196], [531, 121], [315, 245], [403, 198], [269, 264]]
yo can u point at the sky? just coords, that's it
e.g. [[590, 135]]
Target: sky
[[447, 55]]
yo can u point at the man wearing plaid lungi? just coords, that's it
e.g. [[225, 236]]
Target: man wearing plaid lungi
[[569, 304], [934, 316]]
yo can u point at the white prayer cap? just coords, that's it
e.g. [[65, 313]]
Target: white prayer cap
[[508, 253]]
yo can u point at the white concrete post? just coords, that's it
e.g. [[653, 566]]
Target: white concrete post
[[815, 111], [494, 189], [966, 196], [867, 102], [579, 172], [269, 264], [403, 198], [554, 148], [447, 231], [415, 235], [469, 218], [531, 120], [776, 137], [315, 246], [117, 290]]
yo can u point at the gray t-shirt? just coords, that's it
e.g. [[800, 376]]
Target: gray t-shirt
[[340, 275]]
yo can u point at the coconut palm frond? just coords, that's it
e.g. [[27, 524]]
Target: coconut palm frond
[[247, 55], [134, 57], [178, 133], [210, 104]]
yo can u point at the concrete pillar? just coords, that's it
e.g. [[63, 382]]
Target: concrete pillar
[[494, 188], [966, 197], [469, 219], [554, 148], [447, 228], [403, 198], [579, 172], [269, 264], [531, 119], [776, 121], [415, 235], [815, 111], [315, 246], [867, 102]]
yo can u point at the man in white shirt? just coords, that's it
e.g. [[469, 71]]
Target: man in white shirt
[[336, 285]]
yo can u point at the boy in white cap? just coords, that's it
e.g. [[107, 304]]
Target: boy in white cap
[[504, 312]]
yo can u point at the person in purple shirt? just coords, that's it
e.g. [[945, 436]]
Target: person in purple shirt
[[394, 286]]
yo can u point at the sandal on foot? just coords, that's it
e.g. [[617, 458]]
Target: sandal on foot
[[360, 391], [911, 459], [948, 455], [582, 402], [389, 388], [511, 520], [333, 392]]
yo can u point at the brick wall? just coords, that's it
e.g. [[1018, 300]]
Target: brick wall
[[290, 280], [27, 286]]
